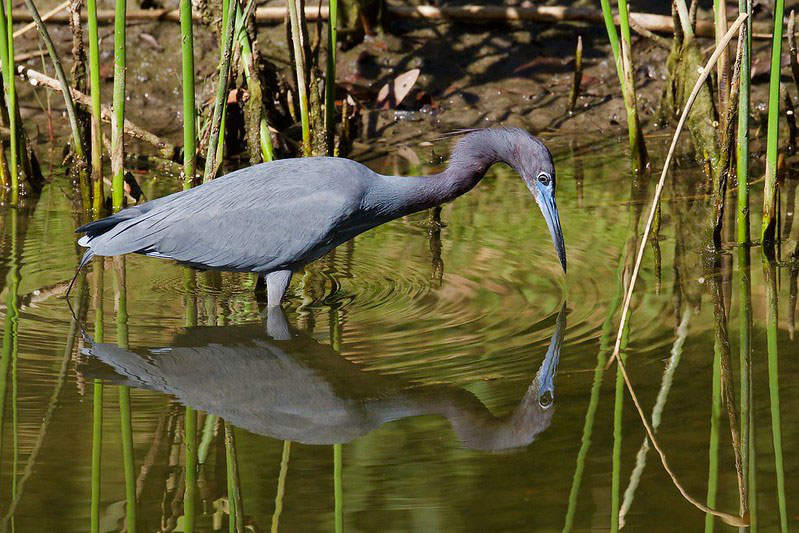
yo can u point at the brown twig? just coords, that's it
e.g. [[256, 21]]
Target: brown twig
[[35, 78], [655, 38], [578, 74], [648, 21], [727, 518]]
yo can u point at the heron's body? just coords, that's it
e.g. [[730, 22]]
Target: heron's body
[[274, 218]]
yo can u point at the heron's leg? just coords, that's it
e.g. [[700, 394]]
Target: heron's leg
[[276, 324], [276, 284]]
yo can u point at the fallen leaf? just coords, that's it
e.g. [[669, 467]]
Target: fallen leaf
[[393, 92]]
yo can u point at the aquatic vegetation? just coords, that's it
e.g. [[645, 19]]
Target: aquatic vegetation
[[768, 226], [96, 135], [430, 325], [189, 106], [625, 69], [118, 116], [213, 156]]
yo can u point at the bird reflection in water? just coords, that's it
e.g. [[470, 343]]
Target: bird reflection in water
[[302, 390]]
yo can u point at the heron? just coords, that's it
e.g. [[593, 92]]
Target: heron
[[274, 218], [303, 390]]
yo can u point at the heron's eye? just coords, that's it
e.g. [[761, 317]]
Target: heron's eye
[[544, 178]]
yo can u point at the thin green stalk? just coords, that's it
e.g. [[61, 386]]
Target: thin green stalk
[[613, 37], [118, 116], [6, 35], [281, 485], [251, 77], [189, 108], [220, 145], [211, 160], [685, 19], [127, 455], [745, 333], [767, 229], [637, 147], [235, 505], [209, 427], [97, 401], [98, 195], [190, 495], [124, 394], [11, 321], [713, 447], [744, 6], [97, 446], [302, 86], [770, 277], [338, 488], [593, 403], [330, 75], [615, 483]]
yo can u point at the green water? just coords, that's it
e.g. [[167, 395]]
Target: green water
[[411, 396]]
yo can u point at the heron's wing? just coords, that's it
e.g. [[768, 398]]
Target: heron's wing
[[253, 222]]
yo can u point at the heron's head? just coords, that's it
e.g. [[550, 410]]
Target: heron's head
[[533, 161]]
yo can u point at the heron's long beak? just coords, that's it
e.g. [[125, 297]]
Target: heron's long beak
[[550, 211], [546, 373]]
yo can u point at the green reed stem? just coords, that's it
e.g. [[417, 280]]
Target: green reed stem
[[713, 447], [213, 156], [593, 402], [97, 449], [302, 86], [767, 230], [118, 116], [220, 145], [98, 194], [190, 494], [281, 485], [613, 37], [126, 423], [338, 488], [330, 75], [250, 76], [685, 19], [6, 36], [209, 426], [11, 320], [97, 401], [615, 483], [745, 335], [637, 148], [744, 6], [770, 278], [127, 456], [235, 505], [189, 107]]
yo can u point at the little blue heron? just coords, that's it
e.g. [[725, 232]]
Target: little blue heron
[[276, 217], [301, 389]]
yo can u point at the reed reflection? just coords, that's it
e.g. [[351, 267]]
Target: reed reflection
[[292, 387]]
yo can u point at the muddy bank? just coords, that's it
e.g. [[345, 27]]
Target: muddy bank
[[471, 75]]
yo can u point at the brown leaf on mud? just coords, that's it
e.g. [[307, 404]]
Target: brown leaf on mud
[[393, 92]]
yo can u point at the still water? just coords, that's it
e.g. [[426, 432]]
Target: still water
[[425, 377]]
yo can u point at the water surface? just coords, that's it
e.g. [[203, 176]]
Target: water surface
[[429, 381]]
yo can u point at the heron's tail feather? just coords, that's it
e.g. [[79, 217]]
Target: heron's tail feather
[[98, 227]]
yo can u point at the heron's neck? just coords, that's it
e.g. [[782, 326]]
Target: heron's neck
[[410, 194]]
